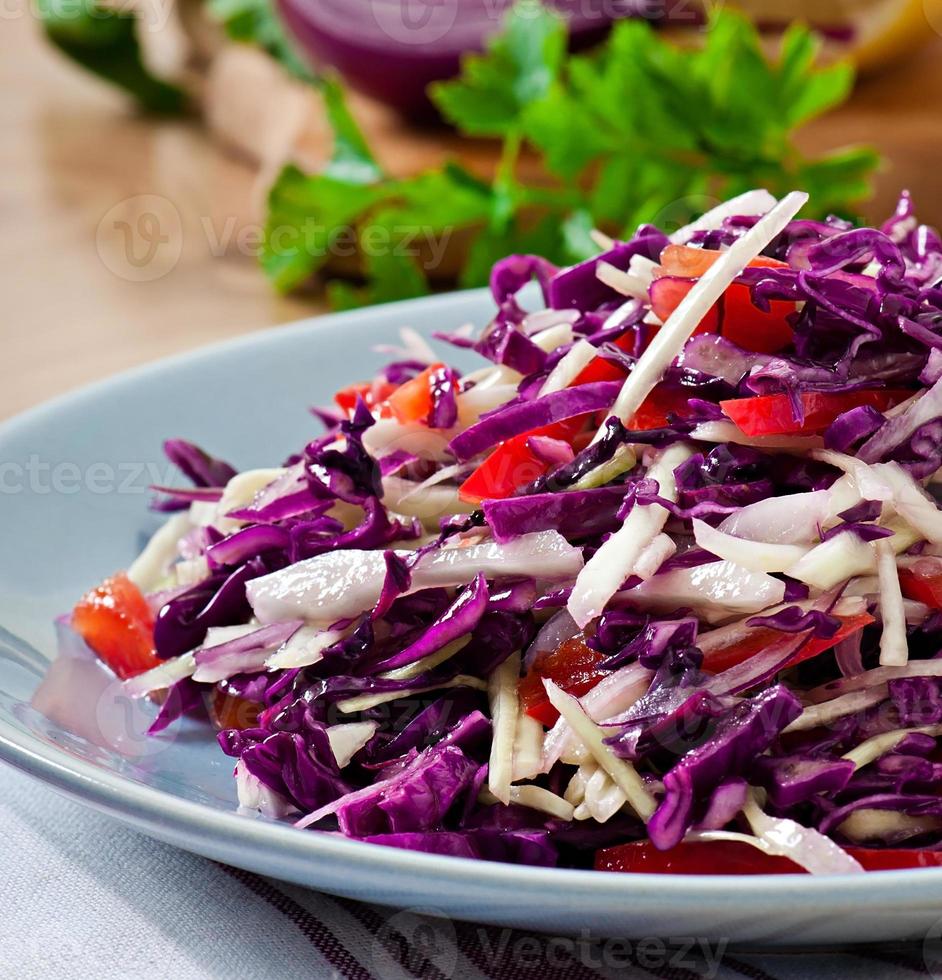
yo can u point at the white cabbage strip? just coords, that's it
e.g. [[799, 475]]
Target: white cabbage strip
[[722, 432], [867, 824], [846, 556], [635, 287], [612, 696], [681, 324], [807, 848], [427, 503], [240, 492], [347, 739], [343, 584], [873, 748], [768, 520], [623, 773], [757, 556], [161, 677], [824, 713], [528, 747], [304, 648], [872, 678], [615, 561], [363, 702], [502, 695], [754, 202], [152, 565], [894, 648], [253, 794], [572, 364], [388, 435], [716, 591], [534, 797]]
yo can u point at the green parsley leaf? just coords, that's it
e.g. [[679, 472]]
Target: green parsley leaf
[[351, 160], [256, 22], [391, 276], [639, 130], [104, 42], [311, 218], [518, 68]]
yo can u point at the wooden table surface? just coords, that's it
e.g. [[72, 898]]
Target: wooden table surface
[[90, 284]]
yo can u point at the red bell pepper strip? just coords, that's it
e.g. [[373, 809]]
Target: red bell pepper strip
[[668, 293], [373, 393], [739, 858], [512, 465], [771, 415], [115, 620], [750, 328], [691, 263], [412, 400], [736, 317], [759, 638], [601, 369], [922, 581], [573, 666]]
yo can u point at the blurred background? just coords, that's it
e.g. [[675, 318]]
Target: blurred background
[[177, 172]]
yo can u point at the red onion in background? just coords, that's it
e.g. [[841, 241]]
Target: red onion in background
[[392, 49]]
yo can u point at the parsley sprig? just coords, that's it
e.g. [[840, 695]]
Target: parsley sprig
[[642, 129]]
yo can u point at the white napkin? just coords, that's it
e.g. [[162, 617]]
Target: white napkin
[[82, 896]]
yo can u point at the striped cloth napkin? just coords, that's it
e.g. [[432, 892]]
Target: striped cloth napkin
[[84, 897]]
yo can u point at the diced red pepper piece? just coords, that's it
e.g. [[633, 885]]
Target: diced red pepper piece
[[373, 393], [735, 316], [750, 328], [412, 401], [739, 858], [573, 666], [601, 369], [771, 415], [694, 858], [759, 638], [663, 401], [512, 465], [668, 293], [922, 581], [116, 622], [691, 263]]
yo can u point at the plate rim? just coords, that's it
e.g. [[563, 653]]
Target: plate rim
[[126, 798]]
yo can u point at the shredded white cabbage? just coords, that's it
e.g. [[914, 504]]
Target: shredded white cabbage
[[363, 702], [708, 289], [347, 739], [894, 648], [615, 561], [161, 677], [873, 748], [151, 567], [623, 773], [757, 556], [575, 361], [502, 694], [754, 202], [345, 583]]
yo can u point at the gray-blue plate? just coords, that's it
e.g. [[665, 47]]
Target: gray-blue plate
[[73, 493]]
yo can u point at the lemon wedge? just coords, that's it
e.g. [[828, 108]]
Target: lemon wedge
[[871, 32]]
